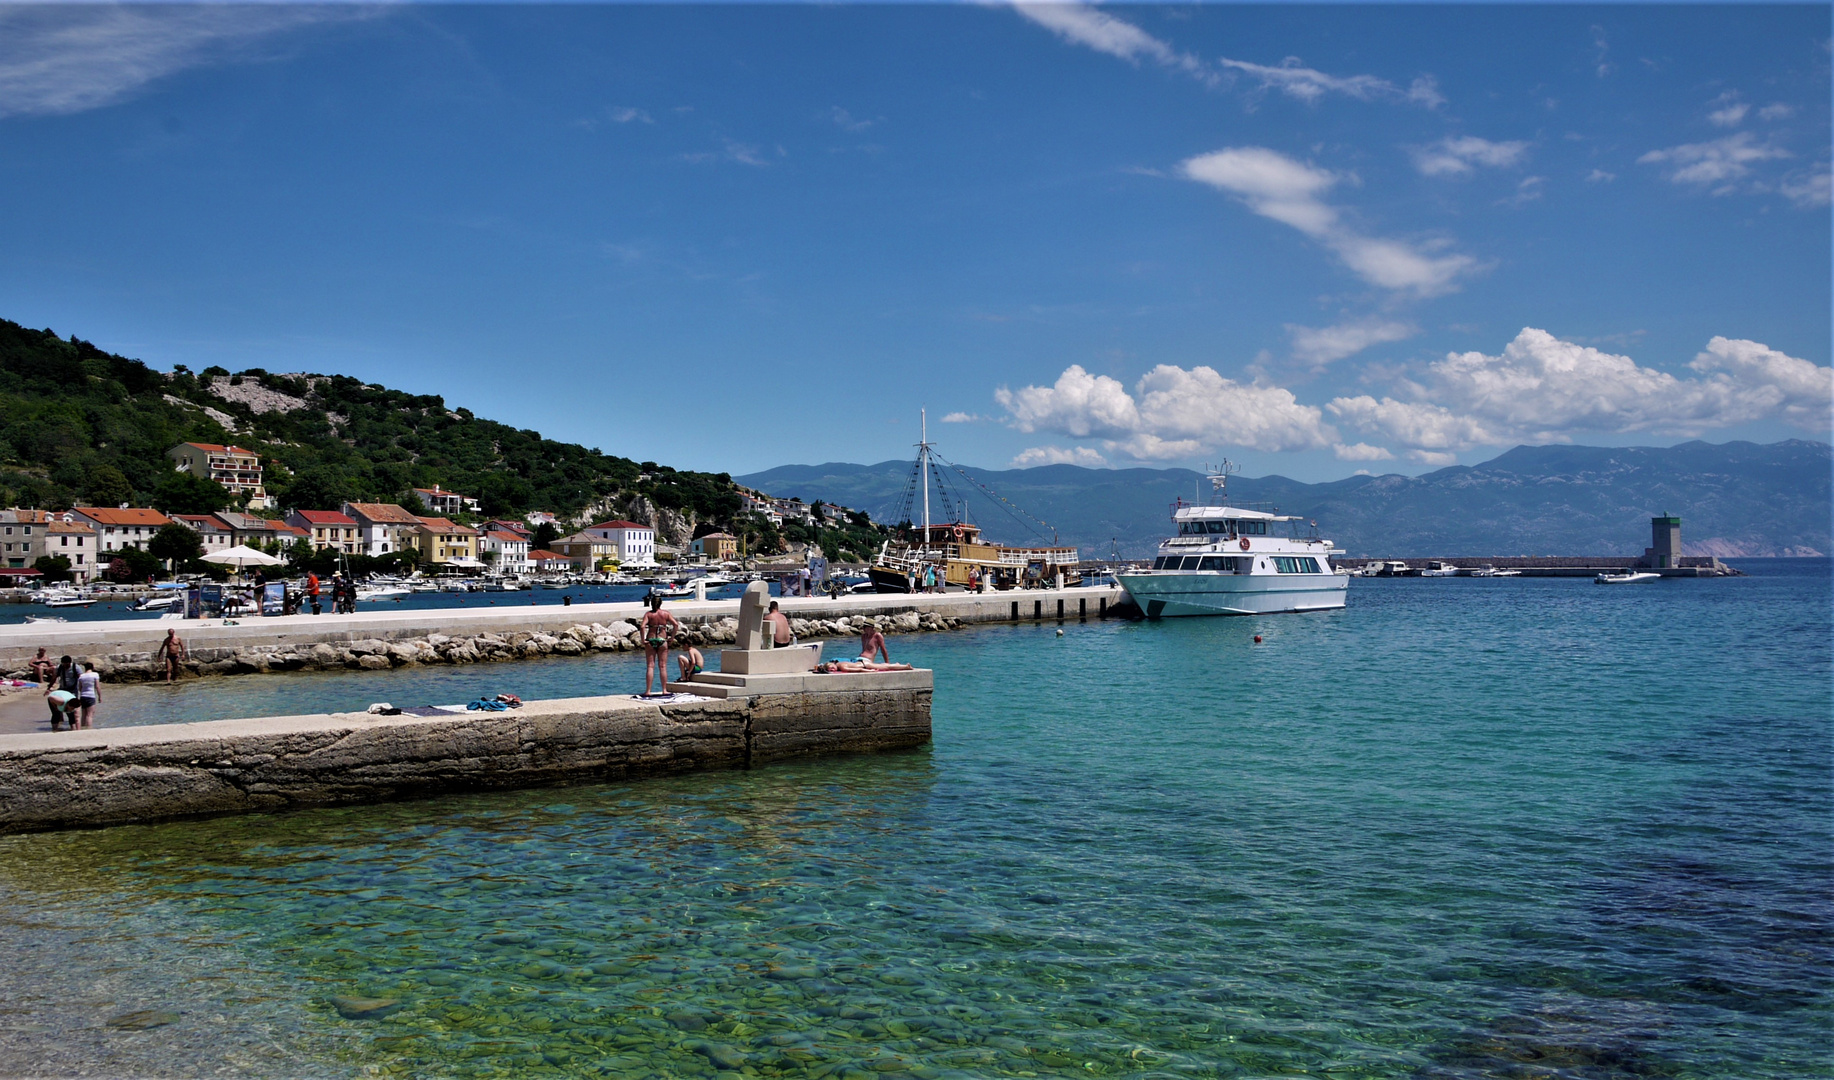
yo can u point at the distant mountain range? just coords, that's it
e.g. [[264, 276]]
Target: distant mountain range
[[1734, 499]]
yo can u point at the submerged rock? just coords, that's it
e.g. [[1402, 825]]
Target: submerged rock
[[356, 1008], [141, 1020]]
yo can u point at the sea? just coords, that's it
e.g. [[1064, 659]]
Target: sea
[[1525, 828]]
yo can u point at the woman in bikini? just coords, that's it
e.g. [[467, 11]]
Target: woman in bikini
[[658, 627]]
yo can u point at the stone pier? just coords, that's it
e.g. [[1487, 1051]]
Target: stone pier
[[55, 780]]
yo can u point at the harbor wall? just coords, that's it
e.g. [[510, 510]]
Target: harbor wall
[[56, 780], [1554, 565], [123, 650]]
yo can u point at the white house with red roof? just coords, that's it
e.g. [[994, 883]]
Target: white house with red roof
[[636, 542], [237, 469], [440, 501], [122, 528], [505, 551], [216, 534]]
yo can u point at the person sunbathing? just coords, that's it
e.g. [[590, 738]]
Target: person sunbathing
[[851, 667]]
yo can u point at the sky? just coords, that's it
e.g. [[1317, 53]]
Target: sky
[[1314, 240]]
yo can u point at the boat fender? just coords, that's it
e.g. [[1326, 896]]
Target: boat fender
[[1244, 543]]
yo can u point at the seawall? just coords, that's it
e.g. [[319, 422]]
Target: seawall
[[98, 777], [122, 649]]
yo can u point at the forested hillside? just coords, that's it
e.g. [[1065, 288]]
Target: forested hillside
[[79, 425]]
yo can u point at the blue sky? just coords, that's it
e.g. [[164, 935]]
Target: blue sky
[[1312, 239]]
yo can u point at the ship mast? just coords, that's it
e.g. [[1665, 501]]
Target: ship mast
[[923, 467]]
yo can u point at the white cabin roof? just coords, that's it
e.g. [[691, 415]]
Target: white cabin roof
[[1213, 513]]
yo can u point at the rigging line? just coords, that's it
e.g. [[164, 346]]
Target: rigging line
[[1013, 511], [942, 491]]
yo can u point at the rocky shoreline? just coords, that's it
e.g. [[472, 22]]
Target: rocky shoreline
[[582, 638]]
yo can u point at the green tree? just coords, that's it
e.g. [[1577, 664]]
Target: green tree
[[108, 486], [176, 545], [182, 493], [298, 553], [321, 487], [545, 534], [53, 567], [133, 564]]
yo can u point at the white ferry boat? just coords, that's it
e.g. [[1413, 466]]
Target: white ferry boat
[[1229, 560]]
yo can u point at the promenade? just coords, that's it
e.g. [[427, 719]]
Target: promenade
[[129, 643]]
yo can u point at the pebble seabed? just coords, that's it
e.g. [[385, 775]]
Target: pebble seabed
[[377, 654]]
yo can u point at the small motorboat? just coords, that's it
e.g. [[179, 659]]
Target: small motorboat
[[164, 602], [1436, 568], [69, 600], [1632, 577], [382, 592], [45, 619], [1491, 571]]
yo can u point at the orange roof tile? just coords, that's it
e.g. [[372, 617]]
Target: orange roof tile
[[130, 516]]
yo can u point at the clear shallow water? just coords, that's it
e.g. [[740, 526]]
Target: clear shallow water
[[1464, 828]]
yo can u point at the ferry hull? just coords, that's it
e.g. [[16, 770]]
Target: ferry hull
[[1168, 595]]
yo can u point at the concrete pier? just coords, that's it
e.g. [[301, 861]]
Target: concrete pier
[[127, 644], [56, 780]]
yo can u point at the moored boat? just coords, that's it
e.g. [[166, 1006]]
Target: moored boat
[[1233, 560], [1629, 577]]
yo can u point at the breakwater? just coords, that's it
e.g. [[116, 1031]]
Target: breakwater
[[137, 774], [124, 650], [1554, 565]]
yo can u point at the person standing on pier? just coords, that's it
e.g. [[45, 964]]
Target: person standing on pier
[[658, 627], [175, 654], [312, 590]]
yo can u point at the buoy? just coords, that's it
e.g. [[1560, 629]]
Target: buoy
[[1060, 632], [1257, 639]]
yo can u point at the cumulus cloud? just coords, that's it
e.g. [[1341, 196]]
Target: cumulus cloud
[[1171, 413], [59, 59], [1057, 455], [1361, 452], [962, 418], [1323, 345], [1715, 163], [1309, 85], [1777, 111], [1808, 189], [1600, 176], [1542, 389], [1288, 191], [1462, 154], [1727, 110], [625, 114], [1084, 25]]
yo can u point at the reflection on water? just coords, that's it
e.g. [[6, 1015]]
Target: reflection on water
[[1510, 832]]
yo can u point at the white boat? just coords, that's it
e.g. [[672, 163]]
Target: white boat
[[1230, 560], [382, 592], [69, 600], [1629, 577], [1491, 571], [45, 618], [1435, 568], [163, 602]]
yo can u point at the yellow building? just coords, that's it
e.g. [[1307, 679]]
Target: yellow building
[[717, 547], [444, 543]]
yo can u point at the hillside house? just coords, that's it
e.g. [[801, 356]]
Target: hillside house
[[237, 469]]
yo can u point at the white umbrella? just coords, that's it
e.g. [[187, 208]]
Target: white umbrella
[[242, 556]]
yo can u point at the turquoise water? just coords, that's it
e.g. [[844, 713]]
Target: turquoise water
[[1461, 829]]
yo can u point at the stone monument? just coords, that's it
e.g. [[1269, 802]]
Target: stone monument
[[753, 654]]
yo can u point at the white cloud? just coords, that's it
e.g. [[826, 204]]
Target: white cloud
[[1542, 389], [1083, 24], [1323, 345], [1727, 110], [963, 418], [846, 121], [1288, 191], [1600, 176], [1057, 455], [1527, 190], [1309, 84], [1777, 111], [733, 150], [1716, 162], [624, 114], [1809, 189], [1171, 413], [1460, 155], [1432, 457], [1361, 452], [58, 59]]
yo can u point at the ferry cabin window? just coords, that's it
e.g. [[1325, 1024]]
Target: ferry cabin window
[[1286, 564], [1190, 562], [1214, 563], [1219, 526], [1251, 528], [1165, 562]]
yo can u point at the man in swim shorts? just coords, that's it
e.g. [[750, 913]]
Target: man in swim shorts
[[173, 650], [872, 642], [658, 627], [779, 624], [691, 662]]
